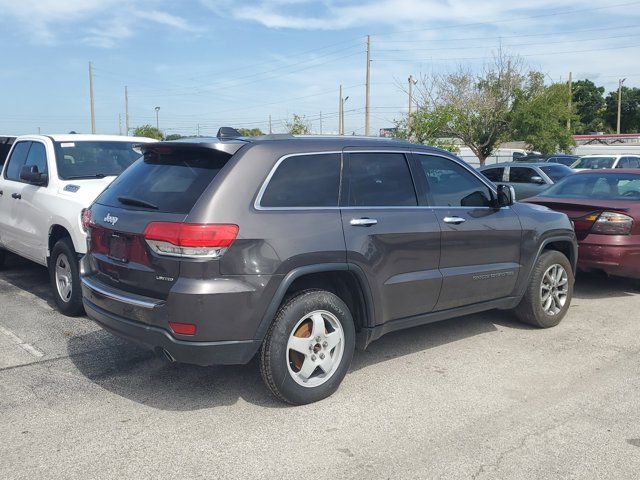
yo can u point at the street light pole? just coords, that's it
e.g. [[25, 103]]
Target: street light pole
[[620, 82], [157, 109]]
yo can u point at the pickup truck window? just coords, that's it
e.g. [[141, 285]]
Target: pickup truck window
[[37, 157], [94, 159], [16, 161]]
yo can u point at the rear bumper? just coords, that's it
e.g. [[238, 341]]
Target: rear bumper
[[614, 259], [198, 353]]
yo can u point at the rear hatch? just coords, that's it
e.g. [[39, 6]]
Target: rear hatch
[[154, 195]]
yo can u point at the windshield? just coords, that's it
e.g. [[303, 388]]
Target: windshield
[[606, 186], [594, 163], [556, 172], [94, 159]]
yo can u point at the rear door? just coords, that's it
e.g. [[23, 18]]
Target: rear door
[[162, 187], [388, 235], [480, 253]]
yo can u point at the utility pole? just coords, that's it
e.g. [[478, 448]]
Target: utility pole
[[197, 129], [93, 115], [126, 111], [321, 123], [570, 101], [620, 82], [270, 130], [344, 100], [368, 100], [119, 124], [340, 132], [157, 109], [412, 82]]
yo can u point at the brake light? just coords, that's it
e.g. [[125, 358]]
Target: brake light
[[190, 239], [85, 219], [611, 223], [182, 328]]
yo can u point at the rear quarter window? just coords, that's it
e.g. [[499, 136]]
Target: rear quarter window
[[304, 181], [169, 179]]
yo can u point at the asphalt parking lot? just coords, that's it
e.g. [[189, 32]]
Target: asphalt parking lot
[[478, 397]]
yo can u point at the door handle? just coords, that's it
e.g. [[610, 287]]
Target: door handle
[[363, 222], [454, 220], [17, 196]]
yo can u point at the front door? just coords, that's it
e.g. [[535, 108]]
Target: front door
[[10, 195], [389, 236], [480, 256]]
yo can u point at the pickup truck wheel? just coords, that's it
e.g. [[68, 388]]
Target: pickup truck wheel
[[309, 347], [65, 278], [549, 293]]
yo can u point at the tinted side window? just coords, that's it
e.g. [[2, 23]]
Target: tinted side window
[[629, 162], [494, 174], [380, 180], [304, 181], [521, 174], [16, 161], [37, 157], [451, 185]]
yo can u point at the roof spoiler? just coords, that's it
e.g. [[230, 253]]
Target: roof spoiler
[[228, 132]]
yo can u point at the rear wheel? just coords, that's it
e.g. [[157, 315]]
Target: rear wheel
[[309, 347], [65, 278], [550, 290]]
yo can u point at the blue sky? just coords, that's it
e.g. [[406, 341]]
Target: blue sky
[[219, 62]]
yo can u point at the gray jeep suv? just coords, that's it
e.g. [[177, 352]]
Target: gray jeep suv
[[300, 248]]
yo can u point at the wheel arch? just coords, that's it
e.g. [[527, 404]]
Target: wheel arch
[[57, 232], [345, 280]]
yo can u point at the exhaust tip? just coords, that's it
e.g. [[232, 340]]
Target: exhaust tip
[[167, 355]]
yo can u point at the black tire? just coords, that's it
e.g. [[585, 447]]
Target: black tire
[[530, 310], [3, 258], [70, 306], [276, 359]]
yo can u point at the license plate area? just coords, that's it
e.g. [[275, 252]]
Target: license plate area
[[119, 248]]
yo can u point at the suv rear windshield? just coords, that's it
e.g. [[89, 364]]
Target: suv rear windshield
[[94, 159], [166, 179]]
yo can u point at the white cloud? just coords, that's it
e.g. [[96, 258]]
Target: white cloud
[[100, 23]]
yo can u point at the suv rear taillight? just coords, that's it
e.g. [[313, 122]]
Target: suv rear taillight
[[611, 223], [189, 239]]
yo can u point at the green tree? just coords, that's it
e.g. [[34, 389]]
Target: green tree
[[472, 107], [148, 131], [173, 136], [426, 127], [589, 106], [298, 125], [630, 111], [250, 132], [540, 113]]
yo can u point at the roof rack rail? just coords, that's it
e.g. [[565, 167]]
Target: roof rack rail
[[228, 132]]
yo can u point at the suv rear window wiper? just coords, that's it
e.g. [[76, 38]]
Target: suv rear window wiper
[[137, 202]]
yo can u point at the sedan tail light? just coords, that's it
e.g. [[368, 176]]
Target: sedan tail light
[[611, 223], [189, 239]]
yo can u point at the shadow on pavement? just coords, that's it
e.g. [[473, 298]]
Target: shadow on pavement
[[28, 276], [598, 285]]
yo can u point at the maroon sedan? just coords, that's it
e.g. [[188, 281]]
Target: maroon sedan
[[604, 206]]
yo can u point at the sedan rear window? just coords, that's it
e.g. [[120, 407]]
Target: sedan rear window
[[607, 186], [169, 180]]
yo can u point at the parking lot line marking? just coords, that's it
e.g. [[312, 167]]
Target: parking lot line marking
[[22, 344]]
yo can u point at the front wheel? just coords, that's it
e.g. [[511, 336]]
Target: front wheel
[[309, 347], [65, 278], [550, 290]]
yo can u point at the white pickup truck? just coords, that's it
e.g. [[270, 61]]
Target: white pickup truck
[[46, 182]]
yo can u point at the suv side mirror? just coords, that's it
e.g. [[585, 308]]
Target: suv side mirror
[[31, 175], [537, 179], [506, 196]]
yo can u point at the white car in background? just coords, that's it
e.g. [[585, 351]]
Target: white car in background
[[594, 162], [46, 182]]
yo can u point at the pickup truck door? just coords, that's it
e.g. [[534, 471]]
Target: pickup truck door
[[27, 220], [10, 188], [480, 244]]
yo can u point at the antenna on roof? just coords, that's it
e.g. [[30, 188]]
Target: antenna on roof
[[228, 132]]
